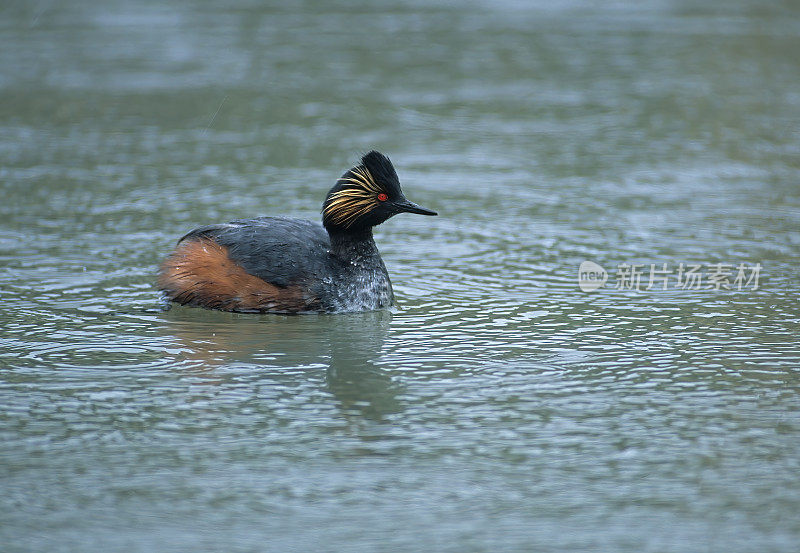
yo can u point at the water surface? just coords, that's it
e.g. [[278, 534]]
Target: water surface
[[499, 407]]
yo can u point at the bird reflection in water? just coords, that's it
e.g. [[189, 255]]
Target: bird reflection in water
[[284, 348]]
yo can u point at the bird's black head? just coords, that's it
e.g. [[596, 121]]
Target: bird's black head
[[366, 196]]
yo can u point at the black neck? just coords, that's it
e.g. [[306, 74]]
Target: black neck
[[353, 245]]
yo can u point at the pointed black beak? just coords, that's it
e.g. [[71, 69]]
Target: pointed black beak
[[410, 207]]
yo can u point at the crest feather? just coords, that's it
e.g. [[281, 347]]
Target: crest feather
[[356, 192]]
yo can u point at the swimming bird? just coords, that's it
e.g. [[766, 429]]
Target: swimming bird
[[286, 265]]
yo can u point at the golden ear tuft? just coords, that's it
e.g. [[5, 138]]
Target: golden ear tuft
[[358, 198]]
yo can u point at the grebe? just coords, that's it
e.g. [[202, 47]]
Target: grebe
[[284, 265]]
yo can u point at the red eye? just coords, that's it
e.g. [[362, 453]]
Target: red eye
[[383, 197]]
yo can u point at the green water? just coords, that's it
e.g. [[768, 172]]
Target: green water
[[499, 407]]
